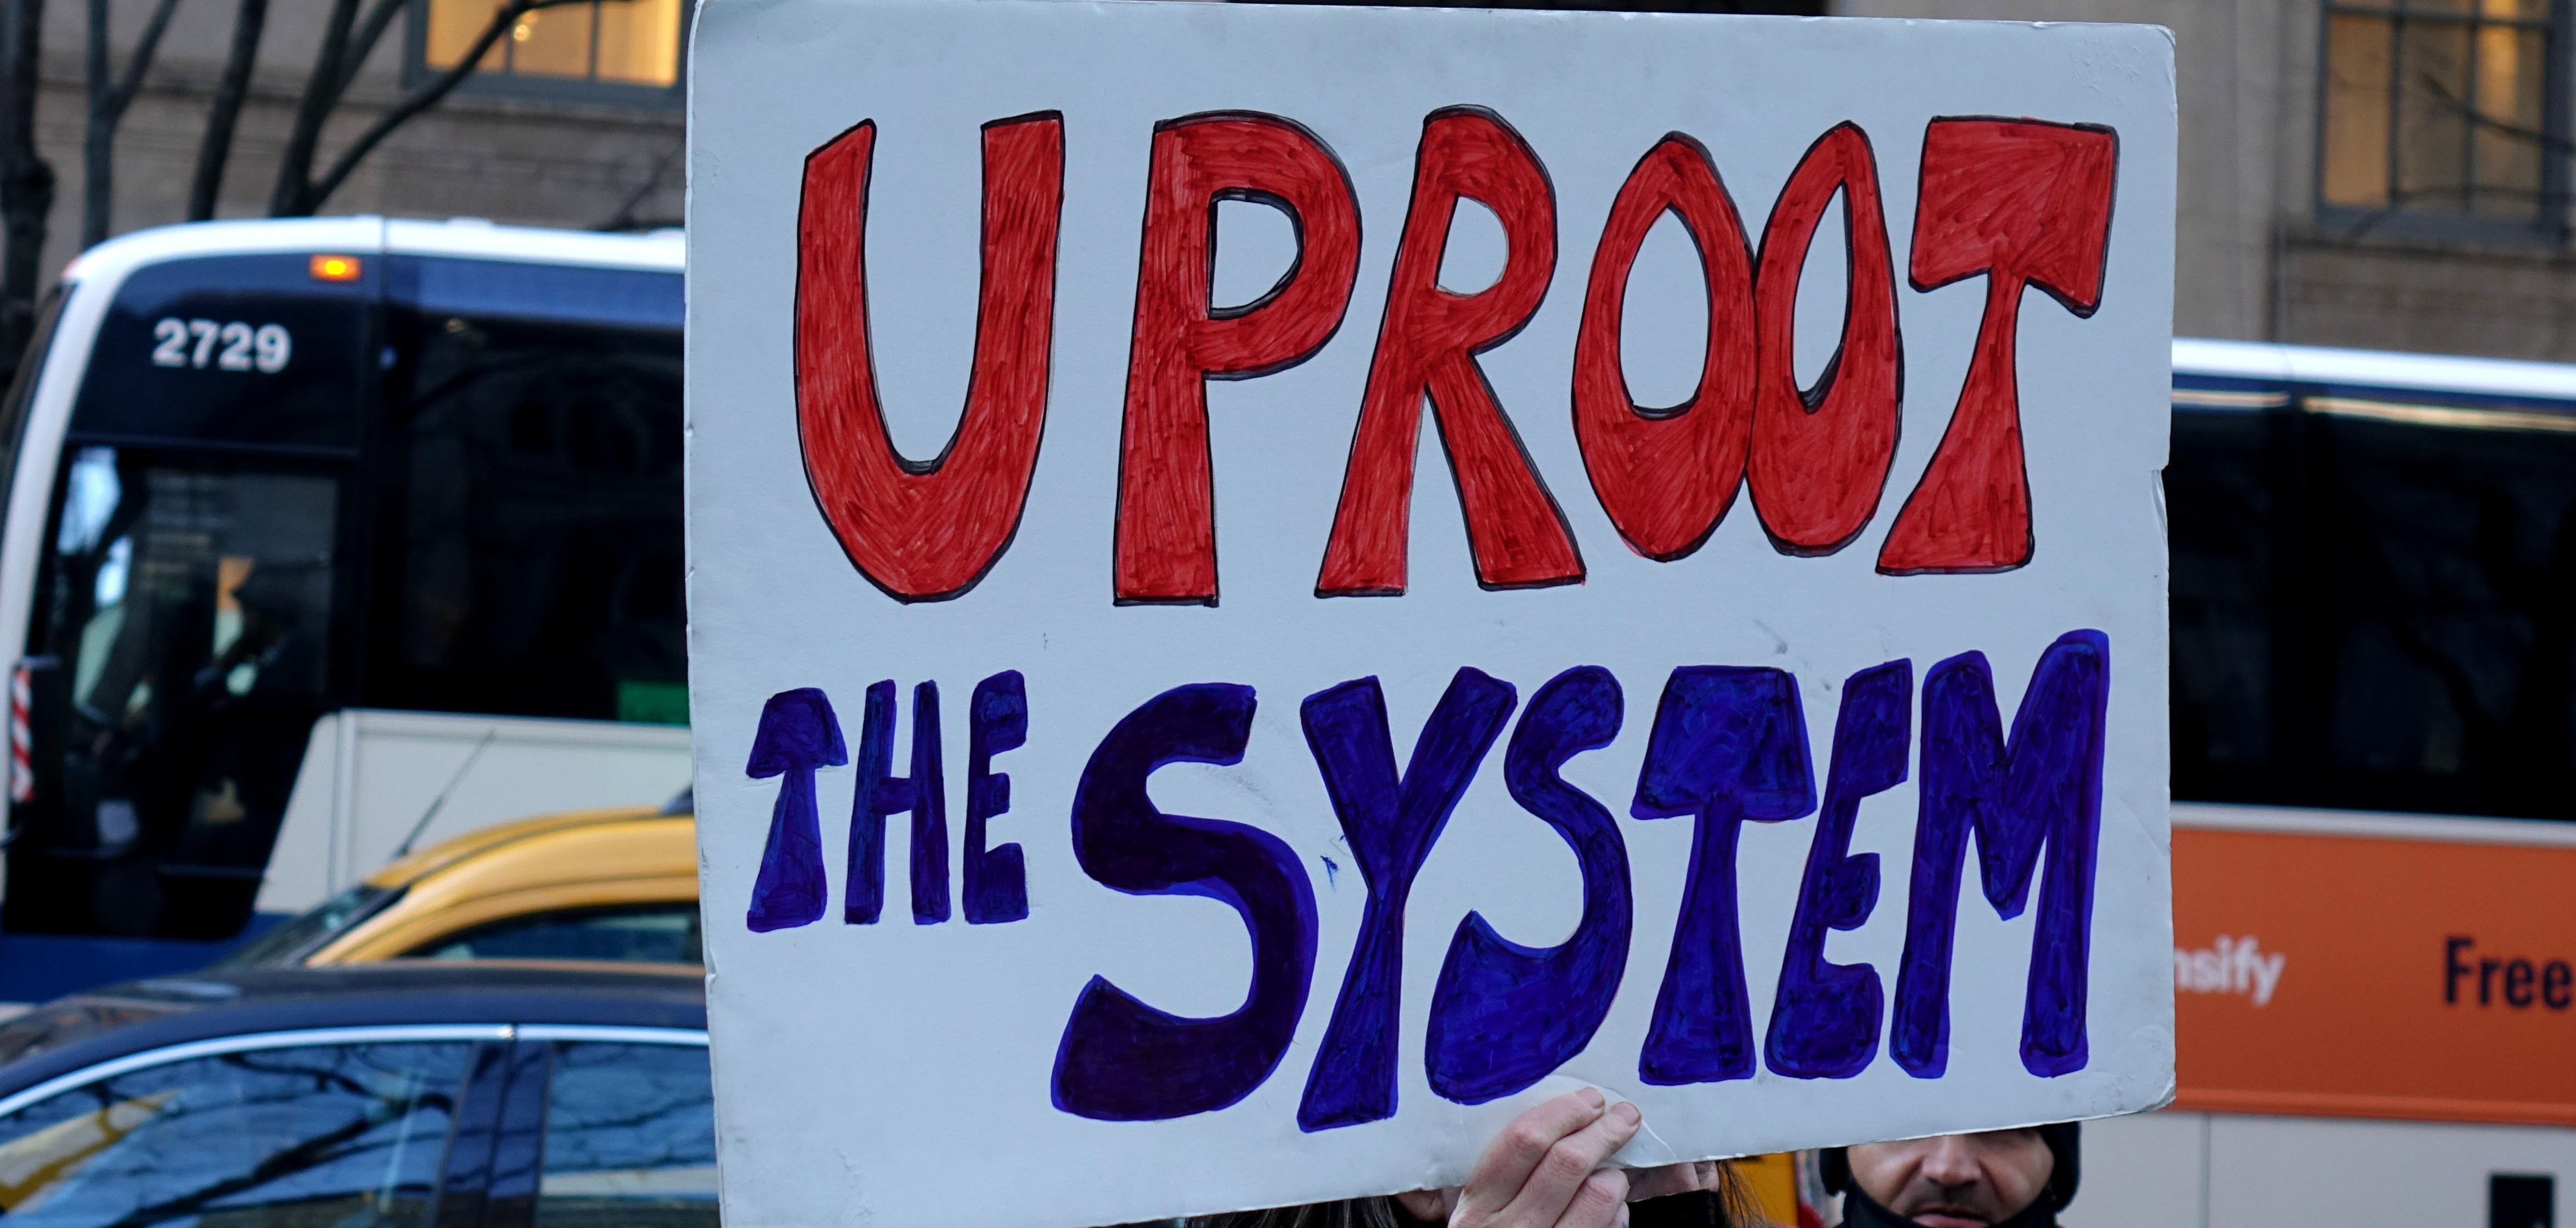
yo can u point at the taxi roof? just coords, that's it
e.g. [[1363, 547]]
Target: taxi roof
[[407, 870]]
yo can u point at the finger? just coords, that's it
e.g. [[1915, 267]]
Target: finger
[[1671, 1179], [1600, 1202], [1515, 1153], [1425, 1206], [1560, 1174]]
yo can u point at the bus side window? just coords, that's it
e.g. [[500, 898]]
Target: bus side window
[[530, 538], [2449, 541], [2222, 495], [2374, 604]]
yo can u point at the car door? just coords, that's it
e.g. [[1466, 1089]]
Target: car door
[[437, 1126], [627, 1138], [349, 1127]]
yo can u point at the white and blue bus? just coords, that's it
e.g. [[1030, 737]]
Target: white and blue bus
[[311, 525]]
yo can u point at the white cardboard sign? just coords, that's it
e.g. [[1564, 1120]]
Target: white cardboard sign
[[1272, 585]]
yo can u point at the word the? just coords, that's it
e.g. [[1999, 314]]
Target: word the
[[1728, 746], [2021, 203], [798, 734], [2518, 982], [2230, 965]]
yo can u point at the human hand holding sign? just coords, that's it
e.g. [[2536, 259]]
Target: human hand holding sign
[[1545, 1171]]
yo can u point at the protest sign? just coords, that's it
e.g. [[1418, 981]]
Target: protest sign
[[1270, 586]]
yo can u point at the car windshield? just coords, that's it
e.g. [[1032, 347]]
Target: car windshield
[[292, 942]]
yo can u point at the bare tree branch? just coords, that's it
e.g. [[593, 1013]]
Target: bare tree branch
[[26, 180], [363, 43], [108, 101], [321, 94], [2480, 119], [2401, 200], [624, 218], [422, 99], [145, 49], [231, 90]]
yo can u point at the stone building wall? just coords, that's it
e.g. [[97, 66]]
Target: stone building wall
[[569, 164], [2252, 261]]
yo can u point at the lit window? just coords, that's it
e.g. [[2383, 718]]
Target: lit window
[[2440, 107], [594, 48]]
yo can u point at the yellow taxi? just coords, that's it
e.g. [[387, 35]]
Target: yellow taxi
[[595, 885]]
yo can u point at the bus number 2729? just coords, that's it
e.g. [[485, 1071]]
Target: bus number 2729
[[233, 346]]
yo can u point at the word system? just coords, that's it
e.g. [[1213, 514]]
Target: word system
[[1272, 586]]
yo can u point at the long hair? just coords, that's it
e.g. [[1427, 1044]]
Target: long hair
[[1730, 1205], [1379, 1212]]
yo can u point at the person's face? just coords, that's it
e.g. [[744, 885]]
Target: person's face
[[1956, 1180]]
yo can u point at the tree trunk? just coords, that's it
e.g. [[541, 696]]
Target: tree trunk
[[321, 95], [98, 148], [230, 92], [26, 180], [301, 199], [108, 100]]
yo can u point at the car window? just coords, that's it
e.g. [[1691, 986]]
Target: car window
[[630, 1138], [349, 1136], [665, 933]]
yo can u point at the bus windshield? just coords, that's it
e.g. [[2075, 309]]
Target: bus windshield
[[191, 623]]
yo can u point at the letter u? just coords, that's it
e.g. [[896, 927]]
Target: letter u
[[928, 530]]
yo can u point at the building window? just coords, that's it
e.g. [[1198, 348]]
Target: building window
[[590, 50], [2443, 114]]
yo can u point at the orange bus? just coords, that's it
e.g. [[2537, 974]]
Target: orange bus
[[2374, 758]]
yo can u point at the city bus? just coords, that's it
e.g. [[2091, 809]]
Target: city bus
[[326, 539], [2373, 600]]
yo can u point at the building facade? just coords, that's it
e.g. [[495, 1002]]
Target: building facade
[[573, 118], [2388, 174]]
